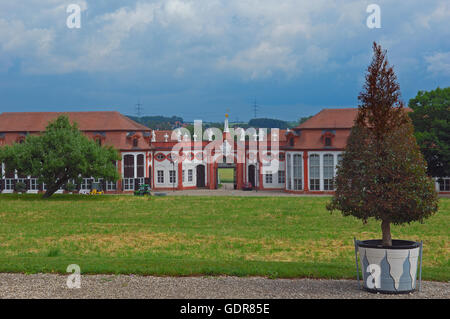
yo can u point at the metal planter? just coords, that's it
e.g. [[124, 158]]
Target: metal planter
[[392, 269]]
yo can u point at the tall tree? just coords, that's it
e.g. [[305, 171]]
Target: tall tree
[[61, 153], [383, 174], [431, 119]]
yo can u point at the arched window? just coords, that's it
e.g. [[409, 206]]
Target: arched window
[[140, 166], [314, 172], [128, 166], [328, 172], [297, 169], [289, 171]]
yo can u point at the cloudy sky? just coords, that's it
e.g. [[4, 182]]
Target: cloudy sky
[[201, 58]]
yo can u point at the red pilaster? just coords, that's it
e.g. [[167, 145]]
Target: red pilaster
[[305, 171], [239, 175], [153, 170], [260, 175], [214, 173], [180, 175], [210, 167]]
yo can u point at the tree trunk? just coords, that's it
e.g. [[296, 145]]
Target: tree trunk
[[49, 193], [386, 229], [52, 189]]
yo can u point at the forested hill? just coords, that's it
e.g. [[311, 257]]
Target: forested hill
[[169, 123], [159, 122]]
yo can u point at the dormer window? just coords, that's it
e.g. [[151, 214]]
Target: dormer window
[[134, 137], [327, 138], [20, 139], [99, 138]]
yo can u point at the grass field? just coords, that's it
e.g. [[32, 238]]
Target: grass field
[[268, 236]]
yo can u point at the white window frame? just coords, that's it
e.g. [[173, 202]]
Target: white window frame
[[297, 167], [160, 176], [34, 185], [172, 177], [128, 184], [281, 177], [111, 186], [9, 184], [445, 182], [328, 182], [85, 184], [317, 179], [269, 177]]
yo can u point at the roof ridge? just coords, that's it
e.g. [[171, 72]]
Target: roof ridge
[[134, 122], [87, 121]]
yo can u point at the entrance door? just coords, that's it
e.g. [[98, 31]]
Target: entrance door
[[200, 175], [251, 174]]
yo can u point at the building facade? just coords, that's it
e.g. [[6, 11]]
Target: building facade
[[301, 160]]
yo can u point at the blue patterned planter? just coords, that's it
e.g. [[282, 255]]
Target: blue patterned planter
[[389, 269]]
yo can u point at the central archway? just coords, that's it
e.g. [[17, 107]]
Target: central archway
[[227, 165]]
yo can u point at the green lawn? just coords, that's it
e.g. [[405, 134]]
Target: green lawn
[[226, 175], [269, 236]]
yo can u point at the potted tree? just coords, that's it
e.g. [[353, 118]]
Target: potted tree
[[383, 176]]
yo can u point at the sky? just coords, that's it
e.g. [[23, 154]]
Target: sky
[[200, 59]]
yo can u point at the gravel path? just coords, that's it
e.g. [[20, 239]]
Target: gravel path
[[130, 286], [228, 190]]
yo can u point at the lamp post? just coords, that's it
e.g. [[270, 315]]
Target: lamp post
[[173, 178], [256, 173]]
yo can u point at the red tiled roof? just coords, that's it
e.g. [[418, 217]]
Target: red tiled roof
[[312, 139], [87, 121], [331, 118], [334, 118]]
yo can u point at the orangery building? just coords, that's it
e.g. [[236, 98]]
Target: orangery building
[[300, 160]]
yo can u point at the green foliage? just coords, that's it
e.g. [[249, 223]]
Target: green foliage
[[268, 123], [304, 119], [20, 187], [158, 122], [431, 119], [70, 187], [61, 153]]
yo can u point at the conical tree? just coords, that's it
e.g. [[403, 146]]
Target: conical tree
[[383, 173]]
